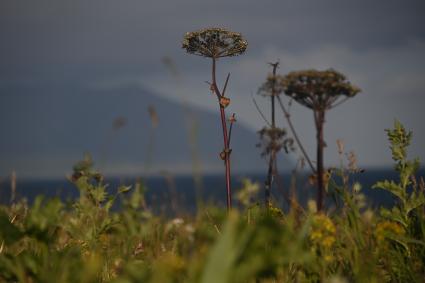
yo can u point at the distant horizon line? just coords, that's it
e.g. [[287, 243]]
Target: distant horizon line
[[238, 174]]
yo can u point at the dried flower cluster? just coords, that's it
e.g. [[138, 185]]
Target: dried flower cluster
[[317, 89], [273, 139], [272, 86], [214, 43]]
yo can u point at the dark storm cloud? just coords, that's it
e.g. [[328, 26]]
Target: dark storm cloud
[[64, 47], [98, 37]]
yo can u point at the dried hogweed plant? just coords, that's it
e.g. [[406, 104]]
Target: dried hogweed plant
[[273, 139], [215, 43], [319, 91]]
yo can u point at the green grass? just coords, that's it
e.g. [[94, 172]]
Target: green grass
[[85, 241]]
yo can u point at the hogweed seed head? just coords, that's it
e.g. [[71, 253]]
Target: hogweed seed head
[[214, 43], [271, 86], [273, 140], [317, 89]]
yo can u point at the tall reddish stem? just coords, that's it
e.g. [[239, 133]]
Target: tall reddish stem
[[320, 120], [225, 138]]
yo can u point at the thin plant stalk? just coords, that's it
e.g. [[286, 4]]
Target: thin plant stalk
[[271, 172], [287, 116], [272, 137], [226, 141], [319, 116]]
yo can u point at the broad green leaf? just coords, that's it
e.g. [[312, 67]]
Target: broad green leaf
[[223, 255]]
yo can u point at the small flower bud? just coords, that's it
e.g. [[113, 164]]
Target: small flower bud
[[225, 153], [224, 101]]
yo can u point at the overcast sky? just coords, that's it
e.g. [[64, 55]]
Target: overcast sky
[[379, 45]]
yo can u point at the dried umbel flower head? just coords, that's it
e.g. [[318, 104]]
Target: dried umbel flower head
[[271, 86], [274, 139], [317, 89], [214, 43]]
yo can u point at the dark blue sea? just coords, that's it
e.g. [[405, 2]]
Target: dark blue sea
[[181, 194]]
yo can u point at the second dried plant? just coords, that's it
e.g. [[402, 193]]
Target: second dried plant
[[320, 91], [273, 138]]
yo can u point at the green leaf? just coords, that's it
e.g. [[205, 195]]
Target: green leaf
[[415, 200], [223, 255], [109, 203], [400, 240], [99, 194], [391, 187], [9, 233], [124, 189]]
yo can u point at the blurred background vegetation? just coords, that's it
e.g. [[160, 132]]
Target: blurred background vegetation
[[85, 241]]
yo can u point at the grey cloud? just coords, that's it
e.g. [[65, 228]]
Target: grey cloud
[[105, 43], [391, 79], [92, 37]]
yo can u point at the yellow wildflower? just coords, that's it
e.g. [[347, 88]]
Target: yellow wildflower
[[385, 228], [328, 241], [323, 231], [328, 258]]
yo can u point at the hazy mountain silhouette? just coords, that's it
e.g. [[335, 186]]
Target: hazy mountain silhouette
[[54, 125]]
